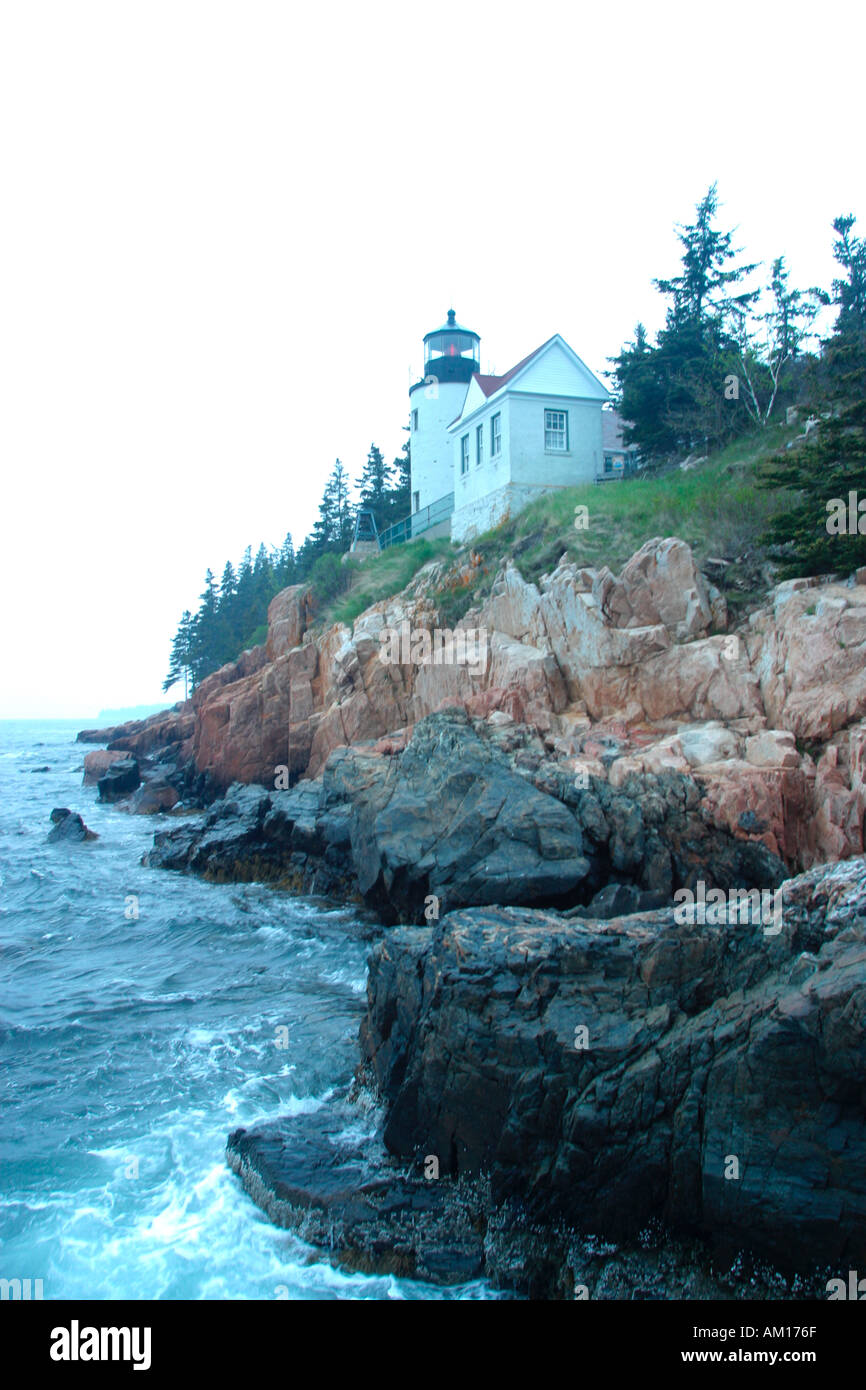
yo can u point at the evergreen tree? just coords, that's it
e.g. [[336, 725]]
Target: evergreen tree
[[205, 643], [824, 529], [228, 586], [262, 577], [244, 608], [337, 493], [849, 293], [701, 293], [672, 393], [284, 568], [333, 530], [400, 495], [180, 665], [374, 485], [223, 646]]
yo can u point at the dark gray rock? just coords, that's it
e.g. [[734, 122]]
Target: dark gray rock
[[335, 1192], [718, 1086], [618, 900], [253, 834], [450, 817], [68, 825], [121, 780]]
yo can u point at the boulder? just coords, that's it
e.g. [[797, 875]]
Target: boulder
[[647, 649], [120, 780], [153, 798], [772, 748], [68, 825], [96, 764], [808, 651], [707, 743]]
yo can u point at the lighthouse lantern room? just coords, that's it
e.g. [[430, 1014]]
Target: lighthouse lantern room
[[452, 354]]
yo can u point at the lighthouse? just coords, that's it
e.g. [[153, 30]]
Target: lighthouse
[[451, 357]]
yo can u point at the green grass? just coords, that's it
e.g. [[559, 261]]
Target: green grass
[[381, 576]]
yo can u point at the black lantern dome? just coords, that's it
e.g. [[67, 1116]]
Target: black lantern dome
[[452, 352]]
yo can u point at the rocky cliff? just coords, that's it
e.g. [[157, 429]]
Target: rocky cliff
[[636, 673]]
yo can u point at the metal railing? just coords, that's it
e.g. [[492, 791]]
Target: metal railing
[[417, 523]]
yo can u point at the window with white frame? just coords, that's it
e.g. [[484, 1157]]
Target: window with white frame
[[495, 435], [479, 444], [414, 419], [464, 454], [556, 430], [416, 501]]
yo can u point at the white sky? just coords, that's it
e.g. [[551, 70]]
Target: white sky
[[226, 228]]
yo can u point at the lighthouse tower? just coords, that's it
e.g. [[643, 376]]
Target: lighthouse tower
[[451, 356]]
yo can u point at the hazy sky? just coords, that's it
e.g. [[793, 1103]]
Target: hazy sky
[[226, 228]]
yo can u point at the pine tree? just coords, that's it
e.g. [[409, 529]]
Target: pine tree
[[224, 642], [333, 530], [228, 586], [205, 639], [180, 664], [374, 485], [400, 495], [244, 608], [824, 529], [337, 492], [672, 393], [701, 293], [284, 568]]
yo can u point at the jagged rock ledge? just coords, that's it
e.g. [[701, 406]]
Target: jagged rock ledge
[[467, 814], [719, 1085], [314, 1175]]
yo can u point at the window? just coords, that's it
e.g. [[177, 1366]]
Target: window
[[414, 419], [556, 430], [479, 443], [495, 435], [416, 501], [464, 454]]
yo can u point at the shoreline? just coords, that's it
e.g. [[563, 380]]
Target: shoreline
[[543, 1015]]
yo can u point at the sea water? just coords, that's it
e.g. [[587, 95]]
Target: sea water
[[143, 1015]]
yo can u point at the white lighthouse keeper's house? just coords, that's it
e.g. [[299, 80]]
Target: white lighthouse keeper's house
[[533, 430]]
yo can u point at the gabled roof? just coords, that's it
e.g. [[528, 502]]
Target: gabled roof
[[489, 384]]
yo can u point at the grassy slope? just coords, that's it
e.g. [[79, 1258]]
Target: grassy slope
[[717, 508], [383, 575]]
